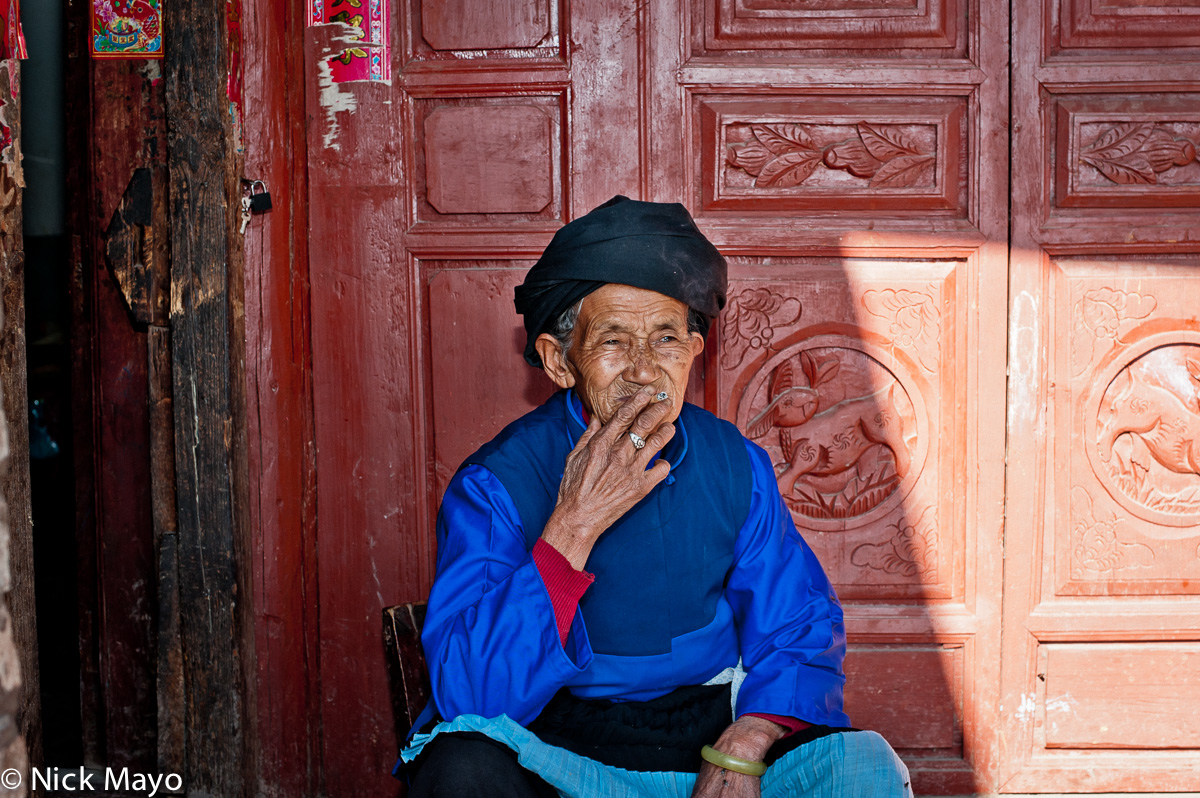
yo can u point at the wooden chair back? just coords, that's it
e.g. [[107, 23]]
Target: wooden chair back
[[408, 677]]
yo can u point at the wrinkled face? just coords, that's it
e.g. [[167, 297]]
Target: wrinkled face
[[626, 338]]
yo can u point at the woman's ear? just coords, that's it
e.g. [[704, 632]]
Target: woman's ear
[[553, 361], [697, 344]]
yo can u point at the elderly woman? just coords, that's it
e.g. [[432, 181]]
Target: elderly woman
[[622, 604]]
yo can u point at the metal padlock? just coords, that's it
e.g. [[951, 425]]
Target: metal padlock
[[260, 201]]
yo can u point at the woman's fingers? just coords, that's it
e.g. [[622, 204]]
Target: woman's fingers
[[656, 474], [650, 418], [625, 416], [589, 432], [654, 444]]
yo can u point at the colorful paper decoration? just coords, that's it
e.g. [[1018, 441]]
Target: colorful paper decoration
[[370, 60], [12, 40], [127, 29]]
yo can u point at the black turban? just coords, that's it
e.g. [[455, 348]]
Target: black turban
[[650, 245]]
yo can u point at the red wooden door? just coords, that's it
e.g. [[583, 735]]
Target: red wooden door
[[850, 159], [1101, 680]]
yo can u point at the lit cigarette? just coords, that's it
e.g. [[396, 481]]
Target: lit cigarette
[[661, 396]]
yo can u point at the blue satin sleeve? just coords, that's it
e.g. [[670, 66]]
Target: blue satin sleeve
[[790, 628], [490, 639]]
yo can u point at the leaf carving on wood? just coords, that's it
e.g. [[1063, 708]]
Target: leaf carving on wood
[[1135, 153], [780, 155], [910, 552], [883, 143], [904, 171], [786, 155], [750, 320]]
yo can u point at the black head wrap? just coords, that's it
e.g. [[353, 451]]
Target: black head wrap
[[650, 245]]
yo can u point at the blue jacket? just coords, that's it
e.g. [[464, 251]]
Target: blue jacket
[[707, 568]]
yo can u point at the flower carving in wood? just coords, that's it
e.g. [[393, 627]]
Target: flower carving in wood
[[914, 321], [911, 551], [1136, 153], [750, 320], [784, 155], [1097, 548]]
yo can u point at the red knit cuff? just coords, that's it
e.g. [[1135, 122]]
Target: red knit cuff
[[793, 725], [564, 584]]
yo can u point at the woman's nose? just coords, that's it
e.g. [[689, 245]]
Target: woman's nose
[[643, 365]]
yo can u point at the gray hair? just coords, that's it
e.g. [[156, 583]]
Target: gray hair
[[563, 328]]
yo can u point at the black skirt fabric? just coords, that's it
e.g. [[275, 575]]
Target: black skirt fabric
[[663, 734]]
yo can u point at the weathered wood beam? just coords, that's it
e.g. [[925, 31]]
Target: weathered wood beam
[[205, 397], [172, 697], [12, 746], [14, 478], [136, 246]]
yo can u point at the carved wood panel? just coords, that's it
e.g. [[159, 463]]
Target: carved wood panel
[[864, 210], [478, 34], [1128, 423], [1080, 710], [1127, 151], [931, 27], [1127, 24], [880, 679], [899, 154], [461, 296], [1101, 608], [484, 25], [844, 386], [489, 160]]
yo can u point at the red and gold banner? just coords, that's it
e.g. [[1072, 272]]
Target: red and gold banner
[[127, 29], [370, 60]]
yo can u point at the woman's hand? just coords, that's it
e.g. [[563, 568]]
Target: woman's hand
[[606, 475]]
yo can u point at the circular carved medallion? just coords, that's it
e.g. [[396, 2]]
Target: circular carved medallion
[[1145, 432], [846, 436]]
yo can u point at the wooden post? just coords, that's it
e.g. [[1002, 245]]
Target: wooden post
[[14, 478], [12, 746], [203, 361]]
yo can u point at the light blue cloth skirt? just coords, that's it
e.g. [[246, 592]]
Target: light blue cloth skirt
[[843, 765]]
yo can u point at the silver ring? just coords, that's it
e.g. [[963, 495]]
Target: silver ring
[[638, 441]]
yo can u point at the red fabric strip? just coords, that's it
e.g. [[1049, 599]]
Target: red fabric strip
[[791, 724], [564, 584]]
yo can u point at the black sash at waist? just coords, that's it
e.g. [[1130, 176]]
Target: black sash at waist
[[663, 734]]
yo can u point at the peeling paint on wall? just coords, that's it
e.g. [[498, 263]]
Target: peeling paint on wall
[[334, 100], [1025, 712], [1024, 359]]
